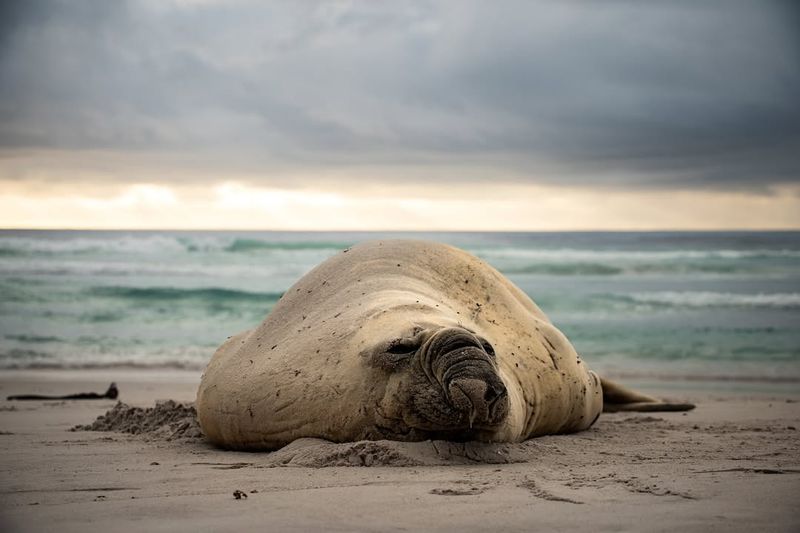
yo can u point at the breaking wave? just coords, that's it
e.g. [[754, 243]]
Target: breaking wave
[[703, 299], [12, 246], [251, 245], [172, 293]]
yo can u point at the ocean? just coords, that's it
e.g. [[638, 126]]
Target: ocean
[[717, 307]]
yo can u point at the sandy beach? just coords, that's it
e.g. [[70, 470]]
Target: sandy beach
[[731, 464], [325, 221]]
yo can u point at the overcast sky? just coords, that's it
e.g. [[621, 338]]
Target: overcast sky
[[417, 99]]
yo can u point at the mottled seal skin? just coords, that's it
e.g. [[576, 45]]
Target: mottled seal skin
[[405, 340]]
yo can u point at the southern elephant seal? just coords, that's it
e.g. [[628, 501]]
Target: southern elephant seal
[[403, 340]]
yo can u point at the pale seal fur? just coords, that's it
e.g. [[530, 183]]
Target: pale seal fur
[[405, 340]]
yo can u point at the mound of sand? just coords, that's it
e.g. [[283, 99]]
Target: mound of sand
[[318, 453], [168, 420]]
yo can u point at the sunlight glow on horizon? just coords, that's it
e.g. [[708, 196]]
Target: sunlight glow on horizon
[[478, 207]]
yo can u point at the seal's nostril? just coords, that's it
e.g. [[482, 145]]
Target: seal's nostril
[[490, 395], [493, 392]]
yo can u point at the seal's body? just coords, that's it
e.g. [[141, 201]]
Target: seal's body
[[406, 340]]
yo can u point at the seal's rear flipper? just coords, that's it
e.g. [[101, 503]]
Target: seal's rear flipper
[[619, 398]]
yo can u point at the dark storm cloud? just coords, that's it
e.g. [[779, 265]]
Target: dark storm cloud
[[664, 94]]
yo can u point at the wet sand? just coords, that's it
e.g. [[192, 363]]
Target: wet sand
[[733, 464]]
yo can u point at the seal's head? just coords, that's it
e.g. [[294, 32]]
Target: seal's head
[[442, 382]]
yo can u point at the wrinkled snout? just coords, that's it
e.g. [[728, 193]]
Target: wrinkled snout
[[464, 365]]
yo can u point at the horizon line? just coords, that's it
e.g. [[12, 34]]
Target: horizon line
[[254, 230]]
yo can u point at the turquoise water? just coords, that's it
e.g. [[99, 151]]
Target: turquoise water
[[674, 305]]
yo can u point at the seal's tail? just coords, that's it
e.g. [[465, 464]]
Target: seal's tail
[[619, 398]]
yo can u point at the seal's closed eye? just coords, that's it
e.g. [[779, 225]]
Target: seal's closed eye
[[403, 346], [394, 353]]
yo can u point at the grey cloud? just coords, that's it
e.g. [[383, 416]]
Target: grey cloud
[[656, 94]]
